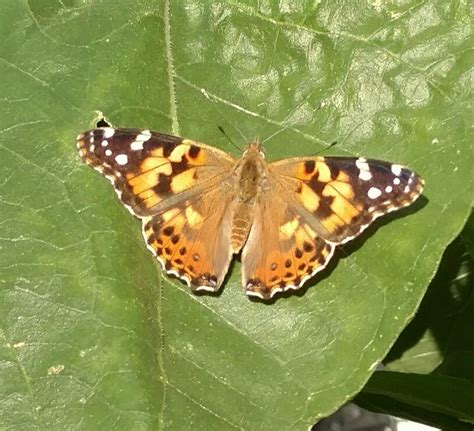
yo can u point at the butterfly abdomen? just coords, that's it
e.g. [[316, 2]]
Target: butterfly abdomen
[[251, 175], [241, 223]]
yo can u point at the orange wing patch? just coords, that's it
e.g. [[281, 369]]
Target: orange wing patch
[[282, 250], [327, 195], [177, 247]]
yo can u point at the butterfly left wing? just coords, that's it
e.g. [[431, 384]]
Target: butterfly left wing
[[180, 190], [309, 206], [149, 170]]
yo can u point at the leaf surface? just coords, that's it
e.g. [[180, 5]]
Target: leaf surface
[[92, 334]]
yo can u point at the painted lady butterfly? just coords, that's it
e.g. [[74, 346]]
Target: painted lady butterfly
[[199, 205]]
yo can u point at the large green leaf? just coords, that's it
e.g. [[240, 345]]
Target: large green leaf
[[92, 335]]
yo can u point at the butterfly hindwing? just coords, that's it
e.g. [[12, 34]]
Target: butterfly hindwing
[[191, 238], [148, 168], [340, 196], [282, 250]]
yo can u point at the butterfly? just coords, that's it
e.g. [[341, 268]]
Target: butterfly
[[199, 205]]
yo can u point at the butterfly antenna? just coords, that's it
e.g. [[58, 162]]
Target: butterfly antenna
[[221, 129], [213, 104], [292, 124], [332, 144]]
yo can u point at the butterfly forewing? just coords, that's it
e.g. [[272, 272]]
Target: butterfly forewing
[[340, 196], [148, 168]]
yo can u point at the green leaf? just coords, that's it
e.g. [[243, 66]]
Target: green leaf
[[92, 335], [468, 235], [436, 400]]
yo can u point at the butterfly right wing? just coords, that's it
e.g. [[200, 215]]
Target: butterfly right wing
[[339, 197], [282, 250], [308, 207]]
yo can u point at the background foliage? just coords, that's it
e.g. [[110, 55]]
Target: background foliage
[[91, 334], [429, 372]]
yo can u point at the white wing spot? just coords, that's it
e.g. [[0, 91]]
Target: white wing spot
[[121, 159], [374, 193], [205, 288], [364, 169], [388, 189], [396, 170], [104, 143], [91, 139], [92, 148], [396, 181], [108, 152], [136, 145], [365, 175], [143, 136], [108, 132]]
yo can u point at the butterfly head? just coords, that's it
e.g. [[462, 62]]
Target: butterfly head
[[255, 149]]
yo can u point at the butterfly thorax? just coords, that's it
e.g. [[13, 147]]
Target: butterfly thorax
[[250, 177]]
